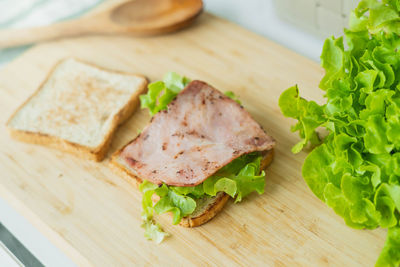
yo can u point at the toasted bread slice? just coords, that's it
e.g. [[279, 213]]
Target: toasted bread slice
[[206, 208], [78, 108]]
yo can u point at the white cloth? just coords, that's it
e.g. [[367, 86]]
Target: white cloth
[[30, 13]]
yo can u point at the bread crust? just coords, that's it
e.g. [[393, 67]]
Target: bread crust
[[188, 221], [93, 153], [211, 210]]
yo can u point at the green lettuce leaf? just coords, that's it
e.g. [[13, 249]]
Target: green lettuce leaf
[[215, 184], [161, 93], [390, 255], [148, 190], [170, 201], [308, 113], [232, 95], [332, 59], [355, 169], [153, 231], [237, 183]]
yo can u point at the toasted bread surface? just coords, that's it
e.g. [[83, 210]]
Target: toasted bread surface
[[78, 108], [206, 209]]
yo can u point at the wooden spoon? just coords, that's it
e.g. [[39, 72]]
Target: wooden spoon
[[138, 17]]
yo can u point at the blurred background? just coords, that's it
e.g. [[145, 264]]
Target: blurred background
[[300, 25]]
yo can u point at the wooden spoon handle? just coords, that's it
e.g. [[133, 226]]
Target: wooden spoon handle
[[17, 37]]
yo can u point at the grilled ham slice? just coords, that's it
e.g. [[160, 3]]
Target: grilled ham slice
[[201, 131]]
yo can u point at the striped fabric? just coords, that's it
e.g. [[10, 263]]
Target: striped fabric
[[29, 13]]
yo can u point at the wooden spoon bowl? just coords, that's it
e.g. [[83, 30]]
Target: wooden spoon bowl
[[137, 17]]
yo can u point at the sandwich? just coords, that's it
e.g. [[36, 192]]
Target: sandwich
[[200, 148], [78, 108]]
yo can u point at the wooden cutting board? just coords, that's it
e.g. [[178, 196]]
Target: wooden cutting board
[[93, 215]]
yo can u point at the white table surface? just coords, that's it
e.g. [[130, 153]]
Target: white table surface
[[256, 15]]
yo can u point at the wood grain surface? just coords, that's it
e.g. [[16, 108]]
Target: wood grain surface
[[93, 215]]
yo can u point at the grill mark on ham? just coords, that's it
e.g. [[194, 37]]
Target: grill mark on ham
[[201, 131], [164, 146]]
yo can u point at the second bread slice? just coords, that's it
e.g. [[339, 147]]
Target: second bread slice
[[78, 108]]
